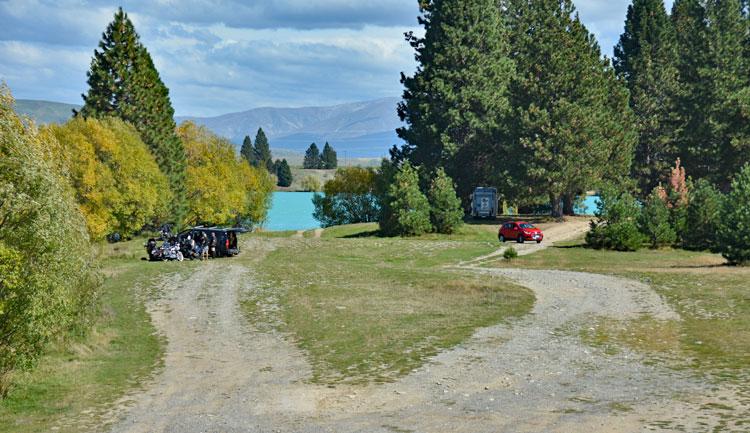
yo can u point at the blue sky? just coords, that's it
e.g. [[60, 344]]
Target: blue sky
[[228, 55]]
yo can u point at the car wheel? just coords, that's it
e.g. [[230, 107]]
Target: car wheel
[[502, 239], [520, 239], [539, 242]]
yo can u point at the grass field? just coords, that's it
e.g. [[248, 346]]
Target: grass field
[[92, 372], [370, 309], [713, 300]]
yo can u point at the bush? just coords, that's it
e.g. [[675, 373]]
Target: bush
[[407, 212], [446, 213], [222, 188], [47, 282], [510, 253], [117, 182], [616, 223], [703, 217], [734, 233], [655, 222], [349, 198], [311, 184]]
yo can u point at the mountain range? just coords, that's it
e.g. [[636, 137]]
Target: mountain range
[[356, 130], [360, 130]]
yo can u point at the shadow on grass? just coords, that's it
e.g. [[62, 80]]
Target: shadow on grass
[[365, 234]]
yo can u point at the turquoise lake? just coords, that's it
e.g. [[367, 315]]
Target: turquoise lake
[[291, 211]]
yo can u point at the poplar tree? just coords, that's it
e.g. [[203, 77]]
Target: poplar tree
[[123, 82], [263, 157], [646, 57], [456, 103], [573, 128]]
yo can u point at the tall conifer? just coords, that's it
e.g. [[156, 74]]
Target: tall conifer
[[456, 103], [646, 57], [573, 128], [329, 158], [263, 157], [123, 82], [248, 151]]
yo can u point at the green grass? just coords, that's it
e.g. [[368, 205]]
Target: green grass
[[474, 233], [372, 309], [87, 374], [712, 299]]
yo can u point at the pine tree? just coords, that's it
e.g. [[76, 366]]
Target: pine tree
[[329, 158], [456, 103], [654, 221], [123, 82], [410, 208], [734, 233], [714, 104], [263, 157], [284, 174], [646, 57], [573, 127], [248, 151], [446, 213], [313, 159]]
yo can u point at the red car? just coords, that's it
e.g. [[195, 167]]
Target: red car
[[521, 231]]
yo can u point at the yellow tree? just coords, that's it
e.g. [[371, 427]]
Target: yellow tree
[[221, 188]]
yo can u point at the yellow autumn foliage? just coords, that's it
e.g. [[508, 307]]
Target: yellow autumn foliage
[[222, 189], [117, 183]]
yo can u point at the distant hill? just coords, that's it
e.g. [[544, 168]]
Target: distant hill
[[355, 130], [45, 112]]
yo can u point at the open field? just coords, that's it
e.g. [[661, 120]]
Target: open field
[[373, 309], [72, 387]]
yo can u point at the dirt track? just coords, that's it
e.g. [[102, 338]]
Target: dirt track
[[222, 375]]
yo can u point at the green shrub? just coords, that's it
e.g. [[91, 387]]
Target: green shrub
[[655, 222], [43, 233], [616, 223], [311, 184], [734, 233], [510, 253], [703, 217], [407, 210], [446, 213], [349, 198]]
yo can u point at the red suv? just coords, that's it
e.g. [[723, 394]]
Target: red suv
[[521, 231]]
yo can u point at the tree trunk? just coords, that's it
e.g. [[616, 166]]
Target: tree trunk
[[557, 206], [569, 201]]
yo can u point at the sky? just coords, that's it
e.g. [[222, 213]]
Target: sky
[[225, 56]]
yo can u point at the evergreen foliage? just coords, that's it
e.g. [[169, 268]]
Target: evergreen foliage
[[284, 174], [574, 128], [313, 158], [616, 223], [456, 104], [117, 183], [446, 213], [734, 232], [408, 208], [262, 152], [349, 198], [329, 159], [703, 217], [47, 279], [223, 189], [714, 103], [123, 82], [646, 58], [247, 151], [655, 222]]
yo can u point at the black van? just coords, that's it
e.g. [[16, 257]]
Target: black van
[[226, 239]]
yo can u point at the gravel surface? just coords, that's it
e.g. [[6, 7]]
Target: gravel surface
[[223, 375]]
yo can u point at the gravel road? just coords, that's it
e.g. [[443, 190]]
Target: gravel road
[[222, 375]]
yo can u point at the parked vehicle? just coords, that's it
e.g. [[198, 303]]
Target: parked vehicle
[[520, 231], [484, 203]]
